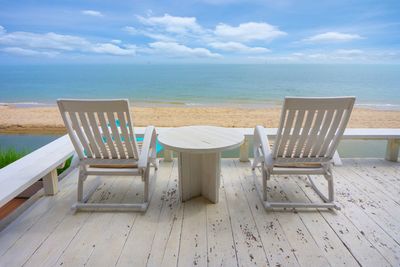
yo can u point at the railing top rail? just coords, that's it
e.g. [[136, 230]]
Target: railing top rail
[[350, 133], [22, 173]]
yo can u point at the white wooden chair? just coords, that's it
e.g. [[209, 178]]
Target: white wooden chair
[[102, 134], [309, 133]]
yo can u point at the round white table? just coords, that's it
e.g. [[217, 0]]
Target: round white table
[[199, 157]]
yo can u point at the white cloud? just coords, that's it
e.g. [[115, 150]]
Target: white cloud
[[188, 32], [148, 33], [28, 52], [249, 31], [172, 24], [178, 50], [2, 30], [342, 55], [47, 40], [115, 41], [350, 52], [112, 49], [333, 37], [334, 56], [60, 42], [238, 47], [92, 13]]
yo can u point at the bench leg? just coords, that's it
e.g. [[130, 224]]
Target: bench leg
[[50, 183], [392, 149]]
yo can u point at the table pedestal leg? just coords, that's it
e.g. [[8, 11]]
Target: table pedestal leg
[[199, 174]]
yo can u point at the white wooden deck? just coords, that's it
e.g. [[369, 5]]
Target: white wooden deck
[[234, 232]]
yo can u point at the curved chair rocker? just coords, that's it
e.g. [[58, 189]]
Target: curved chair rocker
[[309, 133], [102, 134]]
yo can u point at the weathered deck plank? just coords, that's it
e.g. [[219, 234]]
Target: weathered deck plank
[[362, 249], [136, 250], [328, 243], [235, 232], [277, 248], [248, 245], [221, 245]]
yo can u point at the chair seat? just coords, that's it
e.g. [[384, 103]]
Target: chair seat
[[114, 166], [299, 165]]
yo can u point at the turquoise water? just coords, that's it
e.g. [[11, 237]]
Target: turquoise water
[[373, 85]]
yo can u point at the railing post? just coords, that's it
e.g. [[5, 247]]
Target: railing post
[[50, 183], [244, 151], [392, 149], [168, 155]]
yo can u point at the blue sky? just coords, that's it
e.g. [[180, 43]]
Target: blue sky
[[200, 31]]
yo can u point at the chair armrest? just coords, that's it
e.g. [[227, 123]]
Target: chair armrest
[[149, 144], [261, 148]]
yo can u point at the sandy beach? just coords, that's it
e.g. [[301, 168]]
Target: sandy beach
[[47, 120]]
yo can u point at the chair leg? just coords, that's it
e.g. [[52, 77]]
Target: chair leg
[[146, 179], [81, 179], [265, 177], [331, 189]]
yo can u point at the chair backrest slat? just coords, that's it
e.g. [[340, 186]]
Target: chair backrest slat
[[313, 133], [329, 136], [106, 134], [304, 133], [94, 129], [125, 135], [82, 137], [321, 137], [286, 132], [310, 128], [116, 136], [89, 134], [296, 133], [131, 133], [94, 125]]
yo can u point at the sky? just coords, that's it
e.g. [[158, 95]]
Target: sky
[[199, 31]]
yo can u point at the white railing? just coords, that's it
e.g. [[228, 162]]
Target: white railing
[[392, 136], [43, 163]]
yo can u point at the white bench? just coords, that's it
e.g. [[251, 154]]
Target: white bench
[[41, 163]]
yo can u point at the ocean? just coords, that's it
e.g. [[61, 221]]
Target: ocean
[[376, 86]]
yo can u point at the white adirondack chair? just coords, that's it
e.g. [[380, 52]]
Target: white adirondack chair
[[106, 147], [309, 132]]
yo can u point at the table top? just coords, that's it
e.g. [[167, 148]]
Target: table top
[[201, 139]]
